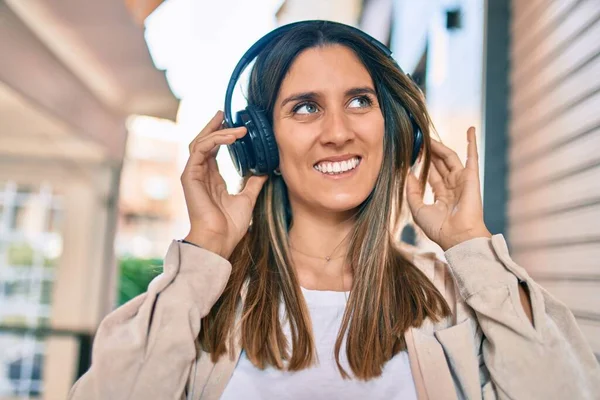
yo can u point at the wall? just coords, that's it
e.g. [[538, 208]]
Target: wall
[[554, 162]]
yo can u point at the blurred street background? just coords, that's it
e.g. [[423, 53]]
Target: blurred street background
[[100, 99]]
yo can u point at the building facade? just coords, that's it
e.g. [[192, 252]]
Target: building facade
[[71, 72]]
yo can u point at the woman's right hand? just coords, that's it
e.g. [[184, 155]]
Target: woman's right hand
[[218, 220]]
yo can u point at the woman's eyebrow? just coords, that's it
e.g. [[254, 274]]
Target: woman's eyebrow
[[305, 96], [300, 97], [360, 90]]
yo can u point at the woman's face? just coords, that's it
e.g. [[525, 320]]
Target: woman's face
[[329, 130]]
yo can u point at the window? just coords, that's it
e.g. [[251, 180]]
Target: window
[[30, 246]]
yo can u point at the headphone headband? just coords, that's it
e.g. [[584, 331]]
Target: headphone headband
[[256, 48]]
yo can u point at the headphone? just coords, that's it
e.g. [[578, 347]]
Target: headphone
[[257, 152]]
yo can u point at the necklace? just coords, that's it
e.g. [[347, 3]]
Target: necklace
[[326, 258]]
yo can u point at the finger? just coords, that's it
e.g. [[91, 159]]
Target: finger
[[216, 179], [440, 165], [213, 165], [448, 155], [472, 154], [203, 149], [253, 187], [213, 125], [235, 132], [437, 182], [238, 132], [414, 194]]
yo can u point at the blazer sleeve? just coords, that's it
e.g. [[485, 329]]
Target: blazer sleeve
[[145, 348], [550, 359]]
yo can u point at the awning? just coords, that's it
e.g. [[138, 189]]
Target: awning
[[75, 70]]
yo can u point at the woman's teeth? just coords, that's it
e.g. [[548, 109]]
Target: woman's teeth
[[333, 168]]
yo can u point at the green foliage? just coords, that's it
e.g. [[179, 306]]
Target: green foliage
[[20, 254], [134, 276]]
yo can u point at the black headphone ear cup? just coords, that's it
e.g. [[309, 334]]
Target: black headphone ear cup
[[240, 151], [239, 157], [417, 141], [264, 144]]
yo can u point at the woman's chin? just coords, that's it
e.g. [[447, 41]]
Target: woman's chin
[[342, 202]]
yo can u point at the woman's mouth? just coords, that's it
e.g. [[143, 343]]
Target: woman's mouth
[[338, 168]]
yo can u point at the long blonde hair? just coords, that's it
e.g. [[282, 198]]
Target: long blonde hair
[[389, 293]]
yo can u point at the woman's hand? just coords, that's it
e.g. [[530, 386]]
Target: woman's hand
[[218, 220], [457, 212]]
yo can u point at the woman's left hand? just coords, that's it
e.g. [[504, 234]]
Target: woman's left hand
[[457, 212]]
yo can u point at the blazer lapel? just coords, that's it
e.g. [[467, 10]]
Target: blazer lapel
[[430, 370], [428, 363]]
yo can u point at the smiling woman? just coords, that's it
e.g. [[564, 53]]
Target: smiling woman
[[321, 90], [296, 288]]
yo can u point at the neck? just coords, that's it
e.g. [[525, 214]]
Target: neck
[[314, 237], [319, 235]]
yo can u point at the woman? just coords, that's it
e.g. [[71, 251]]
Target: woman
[[316, 300]]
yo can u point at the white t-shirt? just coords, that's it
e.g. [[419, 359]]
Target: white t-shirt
[[322, 380]]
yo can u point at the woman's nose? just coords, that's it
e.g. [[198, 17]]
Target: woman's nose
[[337, 129]]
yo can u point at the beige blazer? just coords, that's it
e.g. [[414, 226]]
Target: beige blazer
[[488, 349]]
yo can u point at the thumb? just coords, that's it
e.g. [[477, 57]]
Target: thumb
[[414, 194], [253, 187]]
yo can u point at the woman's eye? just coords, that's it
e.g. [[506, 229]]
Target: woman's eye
[[360, 102], [306, 108]]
